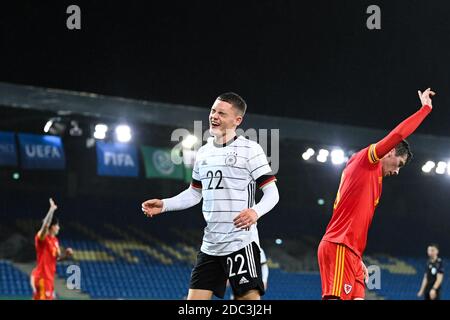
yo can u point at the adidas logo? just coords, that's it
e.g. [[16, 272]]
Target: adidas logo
[[204, 163], [243, 280]]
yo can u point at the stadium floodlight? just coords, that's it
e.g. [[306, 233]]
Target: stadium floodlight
[[123, 133], [441, 166], [323, 155], [48, 125], [428, 166], [308, 154], [189, 141], [440, 170], [55, 126], [99, 135], [279, 241], [310, 151], [100, 131], [337, 157]]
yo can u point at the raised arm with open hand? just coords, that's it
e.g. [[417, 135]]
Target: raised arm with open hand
[[47, 220]]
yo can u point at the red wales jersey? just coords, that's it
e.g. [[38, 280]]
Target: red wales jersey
[[47, 254], [356, 200], [360, 187]]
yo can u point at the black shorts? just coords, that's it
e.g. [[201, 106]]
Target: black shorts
[[242, 268]]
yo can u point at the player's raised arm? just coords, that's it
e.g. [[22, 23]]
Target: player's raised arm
[[42, 233], [404, 129]]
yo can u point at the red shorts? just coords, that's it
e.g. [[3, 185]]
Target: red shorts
[[44, 289], [341, 272]]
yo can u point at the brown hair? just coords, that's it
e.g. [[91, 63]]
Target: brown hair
[[235, 100]]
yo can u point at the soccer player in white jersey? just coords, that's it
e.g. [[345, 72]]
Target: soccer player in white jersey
[[227, 171]]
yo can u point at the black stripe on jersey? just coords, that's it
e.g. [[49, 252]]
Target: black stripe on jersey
[[259, 154], [224, 189], [204, 200], [261, 181], [223, 177], [223, 165], [223, 145], [196, 184], [224, 155], [221, 251], [248, 196], [224, 232], [220, 211], [221, 221], [223, 242], [253, 194], [260, 167]]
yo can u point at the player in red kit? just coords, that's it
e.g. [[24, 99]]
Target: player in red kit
[[342, 270], [48, 252]]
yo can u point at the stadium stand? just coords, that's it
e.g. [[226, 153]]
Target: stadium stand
[[130, 262]]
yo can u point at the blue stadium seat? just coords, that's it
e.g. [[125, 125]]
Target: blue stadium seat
[[13, 282]]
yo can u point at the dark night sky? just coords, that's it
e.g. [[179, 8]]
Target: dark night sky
[[312, 60]]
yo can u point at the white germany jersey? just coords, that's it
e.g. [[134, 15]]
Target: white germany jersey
[[228, 180]]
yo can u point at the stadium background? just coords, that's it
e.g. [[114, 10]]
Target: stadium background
[[313, 71]]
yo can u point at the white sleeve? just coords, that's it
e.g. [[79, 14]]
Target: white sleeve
[[186, 199], [257, 162], [195, 171], [268, 201]]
